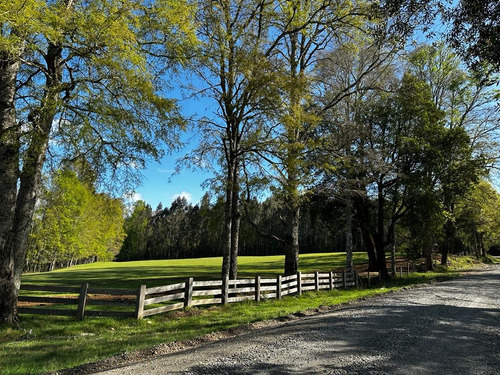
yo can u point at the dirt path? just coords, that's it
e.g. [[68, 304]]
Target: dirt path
[[447, 328]]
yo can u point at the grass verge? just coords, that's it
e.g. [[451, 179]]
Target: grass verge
[[42, 344]]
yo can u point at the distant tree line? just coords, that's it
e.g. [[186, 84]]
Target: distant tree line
[[184, 230]]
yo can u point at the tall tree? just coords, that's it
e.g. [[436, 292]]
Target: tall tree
[[309, 28], [86, 76], [348, 75], [470, 118], [233, 69], [400, 151]]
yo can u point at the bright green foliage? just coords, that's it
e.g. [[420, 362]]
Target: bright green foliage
[[467, 143], [19, 18], [478, 218], [73, 223], [96, 71]]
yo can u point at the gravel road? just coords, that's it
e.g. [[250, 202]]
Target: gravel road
[[445, 328]]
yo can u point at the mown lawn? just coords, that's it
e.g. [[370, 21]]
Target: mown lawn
[[42, 344], [161, 272]]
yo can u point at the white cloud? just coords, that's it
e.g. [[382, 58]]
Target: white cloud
[[184, 194], [132, 197], [136, 197]]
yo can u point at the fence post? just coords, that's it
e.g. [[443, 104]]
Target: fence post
[[344, 279], [82, 301], [369, 281], [225, 287], [400, 272], [356, 280], [408, 269], [257, 288], [330, 279], [188, 292], [278, 287], [316, 281], [299, 283], [139, 303]]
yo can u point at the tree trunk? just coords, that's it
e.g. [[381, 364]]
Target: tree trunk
[[15, 247], [476, 246], [226, 250], [449, 240], [370, 250], [9, 173], [481, 242], [393, 257], [348, 237], [379, 238], [235, 225], [292, 241], [381, 260], [427, 253]]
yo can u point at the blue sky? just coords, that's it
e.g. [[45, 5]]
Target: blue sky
[[161, 184]]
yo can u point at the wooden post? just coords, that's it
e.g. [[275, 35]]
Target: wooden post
[[278, 287], [316, 281], [188, 292], [369, 279], [400, 272], [330, 279], [379, 278], [356, 281], [344, 279], [139, 302], [408, 269], [299, 283], [225, 287], [257, 288], [82, 301]]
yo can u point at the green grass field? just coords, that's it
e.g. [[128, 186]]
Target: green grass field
[[43, 344], [162, 272]]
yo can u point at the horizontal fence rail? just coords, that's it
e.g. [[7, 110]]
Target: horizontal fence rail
[[143, 302]]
